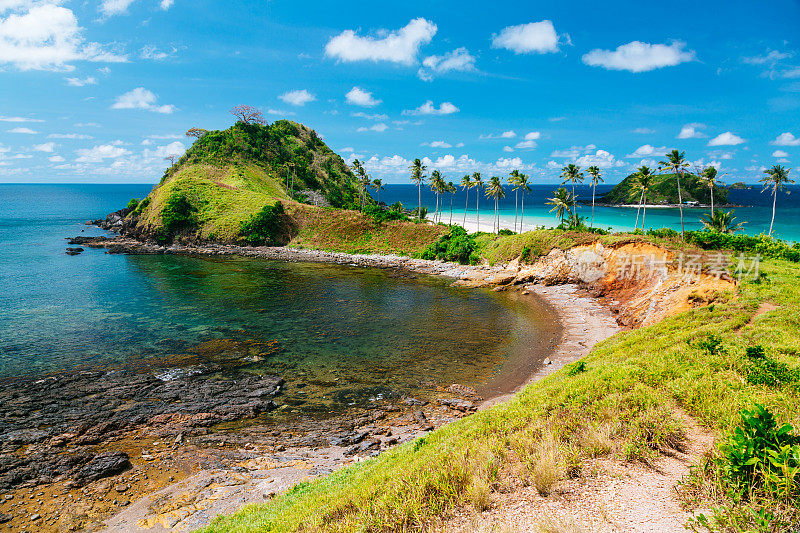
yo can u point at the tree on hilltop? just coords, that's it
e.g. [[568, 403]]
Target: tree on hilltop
[[248, 114]]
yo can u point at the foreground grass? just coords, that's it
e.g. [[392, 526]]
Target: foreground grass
[[622, 404]]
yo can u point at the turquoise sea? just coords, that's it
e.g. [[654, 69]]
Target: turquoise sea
[[350, 335]]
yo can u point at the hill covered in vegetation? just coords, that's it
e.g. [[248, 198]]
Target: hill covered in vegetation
[[664, 190]]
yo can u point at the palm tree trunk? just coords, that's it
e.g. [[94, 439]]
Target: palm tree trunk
[[419, 201], [679, 175], [774, 198], [522, 217], [591, 222], [712, 199], [638, 210], [516, 206], [436, 213], [452, 196], [477, 209], [496, 218], [466, 203], [644, 210]]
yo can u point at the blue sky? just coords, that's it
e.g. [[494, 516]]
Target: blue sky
[[102, 91]]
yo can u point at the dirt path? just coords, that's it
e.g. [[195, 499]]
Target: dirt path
[[611, 496]]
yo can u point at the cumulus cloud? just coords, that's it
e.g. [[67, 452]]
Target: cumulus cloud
[[172, 149], [109, 8], [166, 4], [26, 131], [279, 112], [529, 140], [81, 82], [46, 37], [23, 119], [574, 151], [691, 131], [55, 159], [771, 57], [779, 153], [44, 147], [438, 144], [380, 127], [69, 136], [637, 56], [370, 116], [98, 153], [644, 131], [446, 108], [647, 150], [458, 60], [786, 139], [535, 37], [141, 98], [726, 139], [152, 52], [298, 98], [401, 46], [358, 96], [600, 158]]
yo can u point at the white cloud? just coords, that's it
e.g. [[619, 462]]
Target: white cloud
[[536, 37], [358, 96], [152, 52], [507, 149], [786, 139], [401, 46], [26, 131], [644, 131], [690, 131], [87, 125], [98, 153], [81, 82], [372, 116], [69, 136], [19, 119], [46, 37], [574, 151], [601, 158], [141, 98], [458, 60], [438, 144], [509, 162], [510, 134], [428, 108], [166, 4], [55, 159], [779, 153], [176, 148], [44, 147], [533, 135], [772, 57], [647, 150], [109, 8], [167, 136], [299, 98], [380, 127], [280, 112], [726, 139], [637, 56], [526, 144]]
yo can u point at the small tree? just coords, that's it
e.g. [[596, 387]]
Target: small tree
[[248, 114], [172, 158], [196, 132]]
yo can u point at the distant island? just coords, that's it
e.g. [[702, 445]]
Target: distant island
[[664, 191], [740, 185]]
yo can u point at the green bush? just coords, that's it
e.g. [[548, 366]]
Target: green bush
[[455, 246], [763, 245], [133, 203], [178, 214], [141, 205], [576, 368], [380, 214], [663, 233], [764, 370], [712, 345], [266, 227], [761, 455]]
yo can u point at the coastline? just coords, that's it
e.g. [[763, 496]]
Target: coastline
[[250, 463]]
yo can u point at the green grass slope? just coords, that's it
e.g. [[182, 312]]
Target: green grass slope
[[624, 403], [664, 190]]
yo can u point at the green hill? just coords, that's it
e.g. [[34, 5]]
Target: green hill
[[664, 190], [227, 176]]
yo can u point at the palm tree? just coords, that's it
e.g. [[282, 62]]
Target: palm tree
[[495, 190], [522, 183], [594, 172], [515, 174], [677, 163], [478, 183], [437, 186], [377, 184], [363, 179], [709, 176], [451, 188], [572, 173], [721, 221], [562, 203], [418, 177], [644, 179], [466, 184], [776, 177]]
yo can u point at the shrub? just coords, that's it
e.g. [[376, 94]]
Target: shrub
[[178, 214], [456, 246], [133, 203], [763, 245], [380, 214], [760, 454], [266, 226], [663, 233], [141, 205], [712, 345], [505, 232], [576, 368]]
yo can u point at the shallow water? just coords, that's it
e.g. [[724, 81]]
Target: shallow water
[[341, 336]]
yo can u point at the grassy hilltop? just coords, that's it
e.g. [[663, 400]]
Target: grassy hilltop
[[664, 190], [227, 186]]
